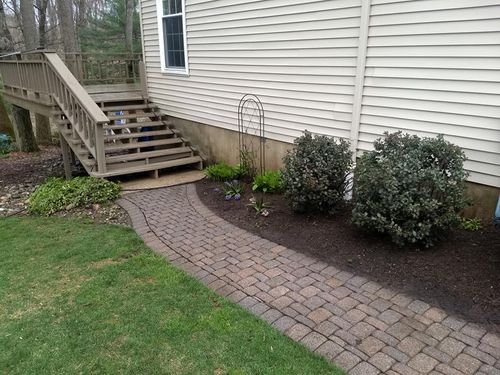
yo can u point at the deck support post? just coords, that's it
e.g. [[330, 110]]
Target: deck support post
[[66, 154]]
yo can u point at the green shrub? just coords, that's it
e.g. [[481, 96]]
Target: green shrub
[[222, 172], [268, 182], [6, 144], [315, 173], [410, 188], [57, 194]]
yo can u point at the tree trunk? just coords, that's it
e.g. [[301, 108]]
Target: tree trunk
[[42, 22], [42, 123], [6, 45], [5, 123], [24, 130], [68, 32], [29, 25], [129, 25]]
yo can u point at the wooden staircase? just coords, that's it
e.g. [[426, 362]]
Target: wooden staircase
[[111, 129], [138, 138]]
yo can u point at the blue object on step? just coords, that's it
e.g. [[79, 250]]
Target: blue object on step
[[148, 137], [496, 220]]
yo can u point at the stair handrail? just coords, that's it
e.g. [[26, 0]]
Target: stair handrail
[[86, 117], [36, 73]]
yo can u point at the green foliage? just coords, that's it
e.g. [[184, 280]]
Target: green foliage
[[222, 172], [247, 165], [472, 224], [6, 144], [105, 32], [410, 188], [268, 182], [260, 207], [315, 173], [232, 189], [84, 298], [57, 193]]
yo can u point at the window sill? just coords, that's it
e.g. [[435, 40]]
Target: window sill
[[180, 72]]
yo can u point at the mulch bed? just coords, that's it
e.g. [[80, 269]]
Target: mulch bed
[[21, 173], [461, 274]]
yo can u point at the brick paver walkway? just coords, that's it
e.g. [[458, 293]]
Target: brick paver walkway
[[358, 324]]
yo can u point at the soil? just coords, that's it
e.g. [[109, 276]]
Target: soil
[[461, 273], [21, 173]]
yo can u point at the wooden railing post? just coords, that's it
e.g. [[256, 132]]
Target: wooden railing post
[[143, 79], [99, 148]]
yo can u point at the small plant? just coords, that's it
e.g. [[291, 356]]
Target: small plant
[[247, 165], [222, 172], [260, 207], [268, 182], [57, 194], [409, 187], [315, 173], [472, 224], [232, 190]]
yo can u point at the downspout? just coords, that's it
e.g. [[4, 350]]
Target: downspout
[[496, 219]]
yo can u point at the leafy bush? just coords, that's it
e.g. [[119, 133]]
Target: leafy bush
[[222, 172], [57, 194], [315, 173], [410, 188], [268, 182]]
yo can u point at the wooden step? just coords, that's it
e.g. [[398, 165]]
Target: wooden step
[[128, 146], [134, 115], [149, 154], [121, 169], [133, 125], [153, 133], [129, 107]]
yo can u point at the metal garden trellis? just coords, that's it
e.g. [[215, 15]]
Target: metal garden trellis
[[251, 127]]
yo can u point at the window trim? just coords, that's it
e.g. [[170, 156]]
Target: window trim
[[163, 58]]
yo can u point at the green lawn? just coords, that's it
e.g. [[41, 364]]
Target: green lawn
[[76, 297]]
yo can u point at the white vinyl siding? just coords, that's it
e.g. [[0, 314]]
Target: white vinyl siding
[[432, 66], [298, 57]]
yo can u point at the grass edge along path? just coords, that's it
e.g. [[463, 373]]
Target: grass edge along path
[[77, 297]]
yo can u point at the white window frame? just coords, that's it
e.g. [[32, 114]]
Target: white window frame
[[163, 56]]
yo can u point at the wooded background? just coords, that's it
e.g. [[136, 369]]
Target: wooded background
[[88, 26]]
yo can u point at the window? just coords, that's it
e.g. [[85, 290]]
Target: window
[[172, 36]]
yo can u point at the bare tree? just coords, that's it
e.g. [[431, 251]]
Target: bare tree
[[68, 32], [24, 128], [42, 123], [129, 25], [6, 45]]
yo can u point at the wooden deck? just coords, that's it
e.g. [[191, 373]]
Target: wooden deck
[[111, 128], [116, 92]]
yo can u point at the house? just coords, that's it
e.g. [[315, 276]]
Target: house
[[344, 68]]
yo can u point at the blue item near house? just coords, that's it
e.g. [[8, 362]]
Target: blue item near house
[[146, 138], [496, 220]]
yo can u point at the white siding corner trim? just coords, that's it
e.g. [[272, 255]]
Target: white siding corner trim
[[344, 68]]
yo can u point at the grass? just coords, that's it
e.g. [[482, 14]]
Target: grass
[[76, 297]]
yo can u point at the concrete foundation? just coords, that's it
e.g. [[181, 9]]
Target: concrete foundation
[[217, 144]]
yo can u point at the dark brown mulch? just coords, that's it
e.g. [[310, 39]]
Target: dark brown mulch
[[461, 274], [21, 173]]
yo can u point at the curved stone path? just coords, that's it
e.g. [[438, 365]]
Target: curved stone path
[[354, 322]]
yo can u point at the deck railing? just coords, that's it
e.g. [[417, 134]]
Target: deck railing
[[43, 77], [92, 69]]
